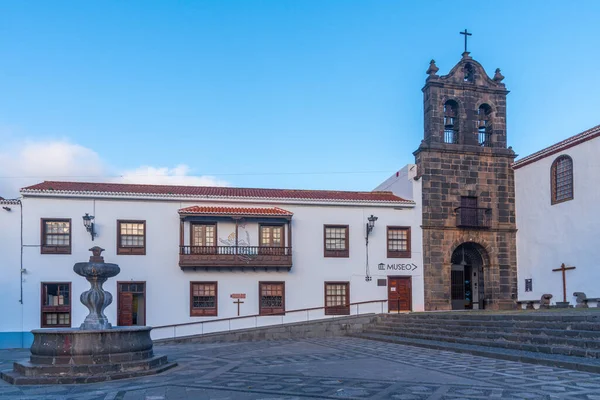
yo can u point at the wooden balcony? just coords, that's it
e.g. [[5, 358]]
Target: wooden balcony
[[238, 257], [473, 217]]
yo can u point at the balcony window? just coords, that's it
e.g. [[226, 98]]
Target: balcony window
[[469, 215], [56, 236], [203, 238]]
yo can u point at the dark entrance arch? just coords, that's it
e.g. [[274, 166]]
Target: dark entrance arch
[[466, 277]]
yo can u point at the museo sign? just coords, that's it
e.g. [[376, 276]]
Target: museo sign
[[397, 267]]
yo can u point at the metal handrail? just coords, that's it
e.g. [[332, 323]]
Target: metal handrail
[[270, 314]]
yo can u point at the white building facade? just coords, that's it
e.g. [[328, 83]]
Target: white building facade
[[557, 199], [190, 254]]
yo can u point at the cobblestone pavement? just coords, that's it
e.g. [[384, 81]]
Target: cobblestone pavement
[[331, 368]]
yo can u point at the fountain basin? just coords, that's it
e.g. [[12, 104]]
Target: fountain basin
[[77, 346], [71, 355]]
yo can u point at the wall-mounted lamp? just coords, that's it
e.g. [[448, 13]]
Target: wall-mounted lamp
[[370, 226], [7, 208], [88, 222]]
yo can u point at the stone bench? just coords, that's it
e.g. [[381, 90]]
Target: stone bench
[[544, 303], [584, 302], [529, 304]]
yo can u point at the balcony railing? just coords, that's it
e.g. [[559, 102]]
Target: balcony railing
[[473, 217], [216, 257]]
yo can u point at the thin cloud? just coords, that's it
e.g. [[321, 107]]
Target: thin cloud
[[169, 176], [28, 162]]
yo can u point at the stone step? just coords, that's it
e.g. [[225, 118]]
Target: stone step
[[570, 333], [494, 336], [590, 315], [25, 373], [579, 326], [552, 360], [549, 349]]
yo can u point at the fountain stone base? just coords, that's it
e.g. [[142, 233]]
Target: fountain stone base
[[71, 355]]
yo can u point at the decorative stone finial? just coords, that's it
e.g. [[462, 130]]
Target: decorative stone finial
[[466, 55], [96, 254], [498, 77], [433, 69]]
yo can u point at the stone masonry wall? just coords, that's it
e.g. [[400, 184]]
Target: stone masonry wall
[[448, 174], [328, 327]]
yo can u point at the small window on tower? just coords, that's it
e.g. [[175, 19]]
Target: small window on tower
[[469, 73]]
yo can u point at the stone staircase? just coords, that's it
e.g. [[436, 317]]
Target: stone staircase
[[569, 339]]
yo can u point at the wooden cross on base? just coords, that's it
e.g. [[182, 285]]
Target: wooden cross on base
[[563, 268], [238, 302]]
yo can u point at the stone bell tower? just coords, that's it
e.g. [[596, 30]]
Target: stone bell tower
[[469, 231]]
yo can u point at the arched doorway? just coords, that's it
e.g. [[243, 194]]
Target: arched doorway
[[466, 276]]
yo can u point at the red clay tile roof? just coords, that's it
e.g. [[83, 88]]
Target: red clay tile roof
[[210, 192], [558, 147], [272, 211]]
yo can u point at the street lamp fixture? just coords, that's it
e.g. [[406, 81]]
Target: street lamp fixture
[[88, 222]]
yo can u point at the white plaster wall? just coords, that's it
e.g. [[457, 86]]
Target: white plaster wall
[[549, 235], [167, 286], [402, 183], [10, 275]]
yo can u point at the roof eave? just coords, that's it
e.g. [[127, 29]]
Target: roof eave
[[230, 199]]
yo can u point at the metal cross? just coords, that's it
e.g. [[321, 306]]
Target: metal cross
[[238, 302], [466, 34], [563, 268]]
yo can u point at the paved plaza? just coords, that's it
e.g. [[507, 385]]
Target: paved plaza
[[329, 368]]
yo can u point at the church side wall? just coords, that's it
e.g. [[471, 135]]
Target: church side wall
[[567, 232]]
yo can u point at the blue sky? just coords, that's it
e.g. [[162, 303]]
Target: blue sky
[[257, 93]]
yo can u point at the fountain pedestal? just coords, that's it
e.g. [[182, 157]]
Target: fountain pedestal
[[96, 351]]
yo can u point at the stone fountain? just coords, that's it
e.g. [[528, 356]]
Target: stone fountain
[[95, 351]]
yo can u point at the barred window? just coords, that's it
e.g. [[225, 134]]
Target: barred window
[[336, 241], [56, 236], [562, 179], [56, 304], [131, 237], [398, 242], [272, 298], [203, 299], [337, 298]]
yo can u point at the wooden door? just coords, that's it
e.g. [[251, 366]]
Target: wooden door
[[399, 294], [125, 312]]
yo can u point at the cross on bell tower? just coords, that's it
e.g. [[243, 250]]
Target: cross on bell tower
[[466, 35]]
